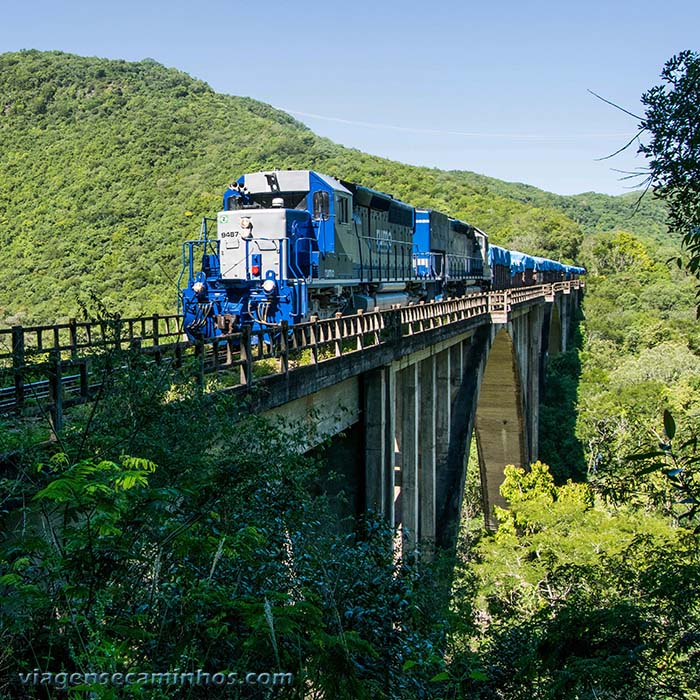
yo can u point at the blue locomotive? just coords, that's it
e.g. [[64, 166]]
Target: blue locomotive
[[291, 244]]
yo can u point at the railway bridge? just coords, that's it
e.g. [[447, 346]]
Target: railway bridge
[[410, 385]]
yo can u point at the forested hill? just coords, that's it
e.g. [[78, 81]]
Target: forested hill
[[107, 166]]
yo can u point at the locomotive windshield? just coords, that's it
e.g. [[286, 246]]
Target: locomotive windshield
[[263, 200]]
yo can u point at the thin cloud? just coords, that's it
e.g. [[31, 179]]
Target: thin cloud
[[444, 132]]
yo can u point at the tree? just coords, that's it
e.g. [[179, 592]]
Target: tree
[[575, 599], [215, 549], [672, 120], [615, 252]]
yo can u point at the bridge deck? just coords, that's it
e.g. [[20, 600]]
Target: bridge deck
[[54, 367]]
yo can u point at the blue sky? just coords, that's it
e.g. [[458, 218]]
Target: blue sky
[[499, 88]]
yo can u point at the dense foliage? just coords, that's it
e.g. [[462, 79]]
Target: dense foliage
[[107, 167], [672, 125], [210, 551], [574, 598], [640, 353]]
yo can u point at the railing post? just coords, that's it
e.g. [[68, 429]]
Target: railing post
[[215, 352], [199, 358], [73, 331], [360, 329], [284, 347], [156, 338], [178, 354], [377, 325], [313, 339], [229, 350], [56, 390], [118, 335], [246, 357], [84, 380], [392, 325], [338, 335], [18, 364]]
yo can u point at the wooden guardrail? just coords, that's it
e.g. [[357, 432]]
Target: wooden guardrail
[[55, 367], [19, 342]]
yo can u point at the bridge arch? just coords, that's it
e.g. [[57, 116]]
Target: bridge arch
[[499, 426]]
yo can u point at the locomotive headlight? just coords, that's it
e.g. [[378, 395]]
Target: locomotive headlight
[[198, 287], [246, 227], [268, 286]]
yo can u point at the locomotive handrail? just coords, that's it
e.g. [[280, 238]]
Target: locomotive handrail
[[297, 267], [204, 242], [38, 367], [296, 273], [463, 265]]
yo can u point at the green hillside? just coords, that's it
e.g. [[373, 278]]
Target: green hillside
[[594, 212], [156, 533], [107, 166]]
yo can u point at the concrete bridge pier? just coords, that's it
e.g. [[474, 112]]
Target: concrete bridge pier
[[526, 330], [410, 418], [500, 418], [567, 305], [499, 405], [415, 437], [419, 415]]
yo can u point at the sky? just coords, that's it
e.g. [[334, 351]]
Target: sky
[[500, 88]]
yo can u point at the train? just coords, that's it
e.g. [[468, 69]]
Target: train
[[293, 244]]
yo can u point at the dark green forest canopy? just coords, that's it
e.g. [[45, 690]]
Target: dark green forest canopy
[[107, 166]]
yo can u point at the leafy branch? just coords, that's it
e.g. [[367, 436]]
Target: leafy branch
[[679, 464]]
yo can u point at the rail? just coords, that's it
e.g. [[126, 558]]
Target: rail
[[54, 367]]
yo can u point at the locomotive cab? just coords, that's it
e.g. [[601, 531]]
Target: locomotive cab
[[295, 220]]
